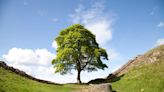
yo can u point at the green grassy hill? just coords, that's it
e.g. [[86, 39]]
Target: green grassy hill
[[11, 82], [144, 77]]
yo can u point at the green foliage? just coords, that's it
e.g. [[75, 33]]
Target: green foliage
[[11, 82], [78, 49]]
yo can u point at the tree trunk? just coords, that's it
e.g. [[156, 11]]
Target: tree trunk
[[78, 77]]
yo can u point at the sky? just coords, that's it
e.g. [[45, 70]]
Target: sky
[[125, 28]]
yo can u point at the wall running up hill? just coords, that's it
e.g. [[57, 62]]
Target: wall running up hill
[[21, 73], [149, 57]]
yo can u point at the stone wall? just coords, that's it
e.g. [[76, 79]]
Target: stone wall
[[21, 73]]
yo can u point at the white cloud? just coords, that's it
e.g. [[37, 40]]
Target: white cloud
[[100, 24], [96, 21], [160, 42], [36, 63], [25, 68], [54, 44], [2, 59], [102, 30], [161, 24], [28, 57], [113, 54], [116, 68]]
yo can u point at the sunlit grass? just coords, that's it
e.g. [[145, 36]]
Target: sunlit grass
[[147, 78], [10, 82]]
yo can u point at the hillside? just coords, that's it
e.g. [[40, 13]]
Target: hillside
[[13, 82], [149, 57], [143, 74]]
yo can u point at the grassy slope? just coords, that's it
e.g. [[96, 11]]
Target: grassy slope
[[10, 82], [146, 78]]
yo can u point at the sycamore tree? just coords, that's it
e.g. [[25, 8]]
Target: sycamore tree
[[77, 49]]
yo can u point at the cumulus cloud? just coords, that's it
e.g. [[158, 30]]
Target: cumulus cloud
[[113, 54], [95, 20], [161, 24], [21, 56], [2, 59], [54, 44], [102, 30], [101, 24], [36, 63], [160, 42]]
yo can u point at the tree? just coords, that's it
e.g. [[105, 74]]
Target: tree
[[77, 49]]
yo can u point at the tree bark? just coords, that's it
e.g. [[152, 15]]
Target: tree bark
[[78, 76]]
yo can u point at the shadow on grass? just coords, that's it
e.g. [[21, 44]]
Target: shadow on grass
[[111, 78], [114, 79]]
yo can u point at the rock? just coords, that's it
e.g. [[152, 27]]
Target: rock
[[106, 87], [2, 64]]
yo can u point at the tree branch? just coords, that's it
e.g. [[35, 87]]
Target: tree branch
[[84, 65]]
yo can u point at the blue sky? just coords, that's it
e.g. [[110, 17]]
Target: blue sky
[[125, 28]]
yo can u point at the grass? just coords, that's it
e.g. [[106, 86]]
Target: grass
[[11, 82], [146, 78], [159, 48]]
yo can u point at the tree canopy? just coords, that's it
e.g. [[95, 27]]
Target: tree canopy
[[77, 49]]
